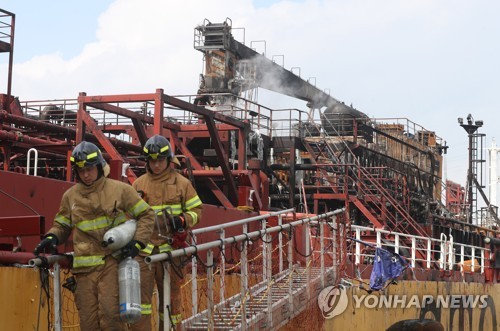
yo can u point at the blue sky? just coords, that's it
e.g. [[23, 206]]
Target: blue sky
[[429, 61], [38, 23]]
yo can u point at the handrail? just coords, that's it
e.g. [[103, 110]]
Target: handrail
[[240, 222], [446, 248], [35, 163], [205, 246]]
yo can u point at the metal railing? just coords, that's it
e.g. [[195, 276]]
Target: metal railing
[[443, 252], [449, 254], [243, 238]]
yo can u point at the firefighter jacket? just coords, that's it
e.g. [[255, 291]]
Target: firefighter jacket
[[172, 193], [94, 209]]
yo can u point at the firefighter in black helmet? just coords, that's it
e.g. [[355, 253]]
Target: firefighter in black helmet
[[91, 207], [177, 208]]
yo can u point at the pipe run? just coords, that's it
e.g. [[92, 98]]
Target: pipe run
[[50, 260], [202, 247], [8, 257]]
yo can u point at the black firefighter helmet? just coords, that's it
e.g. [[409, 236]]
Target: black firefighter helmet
[[158, 147], [86, 154]]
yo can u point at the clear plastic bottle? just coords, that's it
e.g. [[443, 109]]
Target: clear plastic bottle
[[129, 277]]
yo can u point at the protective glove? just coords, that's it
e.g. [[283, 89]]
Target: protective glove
[[178, 223], [132, 249], [48, 243], [179, 240]]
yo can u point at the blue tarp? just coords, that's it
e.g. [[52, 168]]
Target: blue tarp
[[387, 266]]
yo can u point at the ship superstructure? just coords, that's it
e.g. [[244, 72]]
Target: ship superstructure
[[328, 181]]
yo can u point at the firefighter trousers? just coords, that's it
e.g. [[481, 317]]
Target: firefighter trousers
[[151, 274], [96, 298]]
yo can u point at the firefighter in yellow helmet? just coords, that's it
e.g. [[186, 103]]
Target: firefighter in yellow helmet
[[91, 207], [178, 208]]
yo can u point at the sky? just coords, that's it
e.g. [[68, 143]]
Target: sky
[[428, 61]]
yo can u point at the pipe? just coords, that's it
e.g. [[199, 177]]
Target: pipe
[[7, 257], [54, 128], [42, 143], [10, 136], [62, 259]]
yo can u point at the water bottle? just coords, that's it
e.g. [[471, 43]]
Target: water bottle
[[129, 278]]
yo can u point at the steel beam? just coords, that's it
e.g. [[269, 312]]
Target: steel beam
[[196, 165], [84, 119]]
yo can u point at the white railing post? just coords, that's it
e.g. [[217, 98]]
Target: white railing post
[[473, 259], [396, 243], [462, 254], [280, 244], [451, 257], [308, 260], [334, 249], [379, 238], [35, 162], [322, 256], [244, 280], [291, 270], [167, 303], [194, 277], [413, 251], [264, 251], [429, 253], [442, 252], [357, 257], [57, 297], [482, 261], [269, 272], [210, 289], [222, 267]]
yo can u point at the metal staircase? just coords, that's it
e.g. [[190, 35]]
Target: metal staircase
[[289, 292], [365, 190]]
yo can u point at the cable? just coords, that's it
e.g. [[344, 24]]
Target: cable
[[24, 204], [295, 246]]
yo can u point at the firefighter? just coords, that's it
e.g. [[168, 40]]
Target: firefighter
[[178, 208], [91, 207]]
